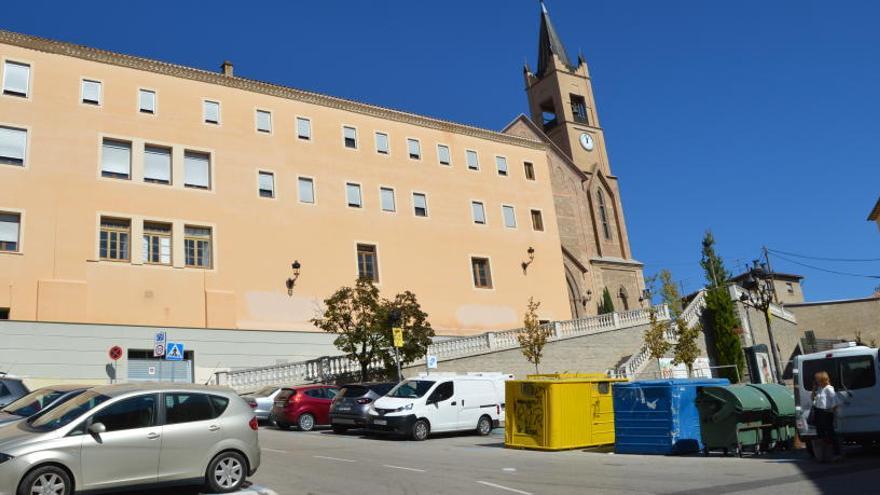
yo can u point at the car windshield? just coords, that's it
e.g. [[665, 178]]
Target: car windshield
[[411, 389], [264, 392], [66, 413], [33, 402]]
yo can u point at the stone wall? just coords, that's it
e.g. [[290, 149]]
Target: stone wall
[[593, 353], [786, 333], [840, 319]]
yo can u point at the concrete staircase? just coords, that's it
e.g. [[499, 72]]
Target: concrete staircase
[[586, 344]]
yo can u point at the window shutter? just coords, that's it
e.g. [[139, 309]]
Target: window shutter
[[157, 164], [16, 77], [9, 226], [116, 158], [12, 143], [91, 91], [267, 182], [197, 170], [212, 111], [148, 100]]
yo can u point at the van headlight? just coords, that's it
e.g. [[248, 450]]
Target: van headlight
[[4, 458], [407, 407]]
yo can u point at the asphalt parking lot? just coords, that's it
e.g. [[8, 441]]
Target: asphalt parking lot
[[321, 462]]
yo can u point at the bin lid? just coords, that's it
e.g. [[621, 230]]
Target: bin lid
[[781, 398], [572, 377], [743, 397], [676, 382]]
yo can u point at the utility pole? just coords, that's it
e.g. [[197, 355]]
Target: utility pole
[[770, 273]]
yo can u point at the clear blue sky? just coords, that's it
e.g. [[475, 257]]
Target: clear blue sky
[[759, 120]]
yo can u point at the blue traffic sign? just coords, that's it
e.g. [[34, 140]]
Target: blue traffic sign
[[174, 351]]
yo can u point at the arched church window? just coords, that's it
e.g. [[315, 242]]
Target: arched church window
[[623, 298], [603, 214]]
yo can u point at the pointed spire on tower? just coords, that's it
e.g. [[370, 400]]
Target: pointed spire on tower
[[549, 44]]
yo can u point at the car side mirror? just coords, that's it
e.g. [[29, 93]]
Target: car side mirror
[[97, 428]]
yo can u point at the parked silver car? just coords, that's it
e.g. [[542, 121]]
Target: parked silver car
[[264, 400], [129, 435], [38, 401]]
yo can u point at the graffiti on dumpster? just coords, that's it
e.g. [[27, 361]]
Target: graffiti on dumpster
[[529, 411]]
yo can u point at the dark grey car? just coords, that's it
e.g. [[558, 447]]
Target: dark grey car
[[40, 400], [349, 409], [11, 388]]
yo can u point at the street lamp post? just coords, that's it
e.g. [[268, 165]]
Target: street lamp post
[[760, 293], [394, 320]]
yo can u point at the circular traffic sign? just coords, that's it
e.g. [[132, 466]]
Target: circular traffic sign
[[115, 352]]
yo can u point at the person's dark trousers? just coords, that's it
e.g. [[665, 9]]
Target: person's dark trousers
[[825, 429]]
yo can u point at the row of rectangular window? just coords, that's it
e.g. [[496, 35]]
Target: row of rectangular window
[[115, 234], [116, 163], [368, 266], [16, 82]]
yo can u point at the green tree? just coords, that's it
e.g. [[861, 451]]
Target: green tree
[[606, 305], [720, 313], [686, 349], [655, 336], [361, 320], [533, 337], [669, 293]]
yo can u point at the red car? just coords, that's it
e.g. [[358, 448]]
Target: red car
[[304, 406]]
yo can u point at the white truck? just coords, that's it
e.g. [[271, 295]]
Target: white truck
[[853, 370]]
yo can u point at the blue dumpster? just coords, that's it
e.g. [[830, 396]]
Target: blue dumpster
[[659, 416]]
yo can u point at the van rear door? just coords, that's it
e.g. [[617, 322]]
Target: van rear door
[[858, 391]]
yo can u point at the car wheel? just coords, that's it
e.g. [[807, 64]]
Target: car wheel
[[340, 430], [420, 430], [226, 472], [306, 422], [484, 426], [49, 480]]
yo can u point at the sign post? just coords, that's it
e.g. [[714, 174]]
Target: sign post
[[430, 363], [397, 332], [115, 353], [159, 344]]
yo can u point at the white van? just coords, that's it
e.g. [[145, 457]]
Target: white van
[[440, 402], [854, 374]]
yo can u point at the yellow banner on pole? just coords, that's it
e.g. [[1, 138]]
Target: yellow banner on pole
[[398, 336]]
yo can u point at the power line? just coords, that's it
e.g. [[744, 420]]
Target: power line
[[819, 258], [862, 275]]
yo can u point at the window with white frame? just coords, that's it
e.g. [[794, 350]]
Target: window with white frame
[[91, 92], [157, 164], [482, 273], [116, 159], [303, 128], [16, 79], [211, 112], [266, 184], [415, 148], [196, 170], [157, 243], [114, 239], [537, 220], [349, 137], [306, 190], [443, 155], [386, 196], [382, 143], [13, 144], [264, 121], [353, 195], [368, 262], [509, 216], [501, 165], [478, 211], [10, 231], [197, 246], [473, 161], [420, 205], [147, 101]]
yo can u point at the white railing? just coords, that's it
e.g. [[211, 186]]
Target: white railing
[[328, 367], [691, 316]]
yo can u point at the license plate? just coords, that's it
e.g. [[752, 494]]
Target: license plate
[[343, 421], [380, 422], [343, 409]]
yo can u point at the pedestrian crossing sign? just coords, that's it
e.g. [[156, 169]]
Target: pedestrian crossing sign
[[174, 351]]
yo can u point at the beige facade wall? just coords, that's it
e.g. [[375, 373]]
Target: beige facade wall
[[57, 274], [842, 320]]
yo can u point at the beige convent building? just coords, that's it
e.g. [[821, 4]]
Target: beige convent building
[[145, 194]]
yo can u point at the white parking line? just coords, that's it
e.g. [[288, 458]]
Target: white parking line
[[276, 451], [333, 458], [500, 487], [404, 468]]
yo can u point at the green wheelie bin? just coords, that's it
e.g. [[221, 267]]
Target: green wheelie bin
[[781, 435], [732, 418]]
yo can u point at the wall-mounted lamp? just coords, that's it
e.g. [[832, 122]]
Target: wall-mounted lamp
[[587, 297], [291, 281], [525, 264], [646, 295]]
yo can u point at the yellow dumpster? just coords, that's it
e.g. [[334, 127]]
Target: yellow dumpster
[[559, 411]]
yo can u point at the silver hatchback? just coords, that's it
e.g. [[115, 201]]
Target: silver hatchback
[[129, 435]]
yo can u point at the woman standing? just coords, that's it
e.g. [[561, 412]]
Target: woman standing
[[825, 404]]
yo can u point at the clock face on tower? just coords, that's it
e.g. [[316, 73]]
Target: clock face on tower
[[586, 141]]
